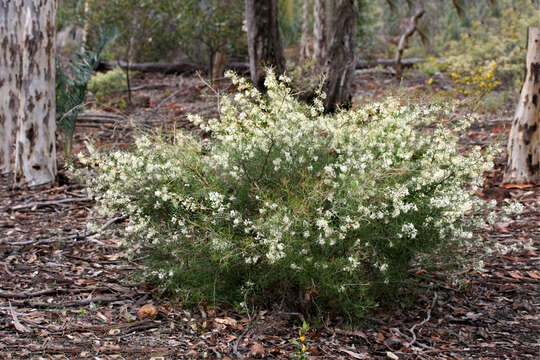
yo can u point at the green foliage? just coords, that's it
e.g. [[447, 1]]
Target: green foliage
[[69, 12], [71, 85], [300, 344], [487, 33], [159, 30], [216, 25], [103, 85], [323, 212]]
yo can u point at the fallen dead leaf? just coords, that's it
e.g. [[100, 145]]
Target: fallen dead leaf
[[114, 332], [256, 350], [226, 321], [391, 355], [355, 355], [147, 311], [515, 275]]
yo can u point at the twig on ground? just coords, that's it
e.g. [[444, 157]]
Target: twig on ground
[[239, 339], [164, 101], [411, 330], [79, 236], [28, 294], [20, 327], [39, 204], [54, 305]]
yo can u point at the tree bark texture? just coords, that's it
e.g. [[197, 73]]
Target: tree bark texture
[[319, 33], [340, 62], [10, 43], [264, 39], [305, 51], [411, 28], [523, 166], [35, 149]]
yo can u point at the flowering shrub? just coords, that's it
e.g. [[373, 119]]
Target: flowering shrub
[[103, 85], [478, 82], [286, 200]]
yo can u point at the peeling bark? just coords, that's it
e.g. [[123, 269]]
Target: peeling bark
[[264, 39], [319, 33], [10, 42], [305, 51], [523, 164], [35, 151]]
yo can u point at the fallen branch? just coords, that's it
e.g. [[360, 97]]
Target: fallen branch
[[411, 330], [171, 68], [79, 236], [40, 204], [368, 64], [28, 294], [239, 339], [55, 305], [100, 118], [238, 67]]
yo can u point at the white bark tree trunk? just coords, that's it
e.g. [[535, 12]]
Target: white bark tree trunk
[[305, 51], [10, 42], [319, 33], [35, 152], [523, 164]]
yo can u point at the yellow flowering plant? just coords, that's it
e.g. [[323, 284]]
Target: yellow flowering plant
[[479, 82]]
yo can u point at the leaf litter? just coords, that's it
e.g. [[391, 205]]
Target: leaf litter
[[66, 292]]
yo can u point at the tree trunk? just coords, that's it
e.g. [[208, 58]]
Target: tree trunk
[[523, 164], [305, 51], [218, 68], [264, 39], [10, 42], [411, 28], [35, 152], [340, 62], [319, 33]]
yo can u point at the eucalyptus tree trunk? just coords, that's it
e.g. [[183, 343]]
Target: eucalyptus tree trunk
[[264, 39], [305, 51], [319, 33], [339, 63], [35, 151], [523, 164], [10, 42]]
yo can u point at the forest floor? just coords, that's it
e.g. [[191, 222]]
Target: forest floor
[[68, 293]]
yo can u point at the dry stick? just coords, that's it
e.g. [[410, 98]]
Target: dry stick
[[53, 305], [20, 327], [71, 237], [27, 294], [235, 346], [38, 204], [56, 290], [413, 21], [411, 330]]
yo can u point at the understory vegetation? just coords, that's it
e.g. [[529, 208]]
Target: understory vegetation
[[288, 205]]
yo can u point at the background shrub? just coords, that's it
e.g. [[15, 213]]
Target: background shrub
[[105, 84], [285, 203]]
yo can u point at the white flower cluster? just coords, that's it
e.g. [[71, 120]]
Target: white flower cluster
[[284, 185]]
